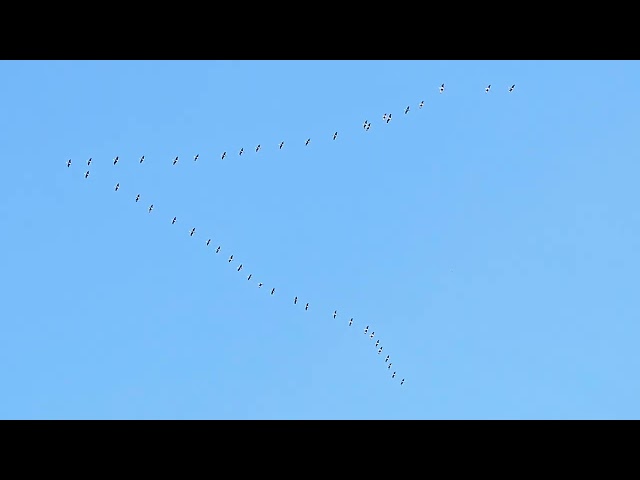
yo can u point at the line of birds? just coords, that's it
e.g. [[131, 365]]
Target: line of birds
[[387, 117], [260, 284], [366, 126]]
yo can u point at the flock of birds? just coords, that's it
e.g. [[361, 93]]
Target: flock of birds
[[366, 126]]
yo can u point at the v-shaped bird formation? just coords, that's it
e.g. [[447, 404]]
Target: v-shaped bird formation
[[386, 118]]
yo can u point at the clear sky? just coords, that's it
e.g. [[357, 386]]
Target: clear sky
[[490, 240]]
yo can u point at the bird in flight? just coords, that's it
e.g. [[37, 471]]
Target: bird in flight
[[442, 88], [364, 125], [384, 117], [273, 290], [307, 142], [389, 118], [257, 148], [389, 366], [386, 359], [335, 312], [224, 154], [335, 135], [117, 186], [394, 375], [249, 277], [230, 258], [350, 321], [368, 126], [240, 267], [488, 88], [372, 334], [281, 144], [208, 242], [196, 157], [151, 208], [260, 285], [366, 329], [175, 160], [193, 230], [306, 307], [401, 381], [380, 351], [89, 162], [174, 220], [421, 104], [86, 175], [115, 160], [295, 301], [406, 110], [142, 159], [377, 342], [68, 163], [218, 249], [512, 87], [241, 150], [137, 198]]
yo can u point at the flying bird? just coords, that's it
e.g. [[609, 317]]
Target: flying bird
[[281, 144], [442, 88], [173, 221], [512, 87], [377, 343], [384, 117], [208, 242], [150, 208], [335, 135], [421, 104], [137, 198], [142, 159], [394, 375], [115, 160], [295, 301], [350, 321], [406, 110], [372, 334], [89, 162], [218, 249], [175, 160], [380, 351], [193, 230], [401, 381], [117, 186], [86, 175], [306, 307], [488, 88], [241, 150], [230, 258], [249, 277], [389, 366], [368, 126], [386, 359], [224, 154], [389, 118], [366, 329], [260, 285], [68, 163], [257, 148], [307, 142], [273, 290], [335, 312], [240, 267], [196, 157]]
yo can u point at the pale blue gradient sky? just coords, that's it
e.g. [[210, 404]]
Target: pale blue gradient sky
[[490, 240]]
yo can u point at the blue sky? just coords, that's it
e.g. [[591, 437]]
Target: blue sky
[[489, 240]]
